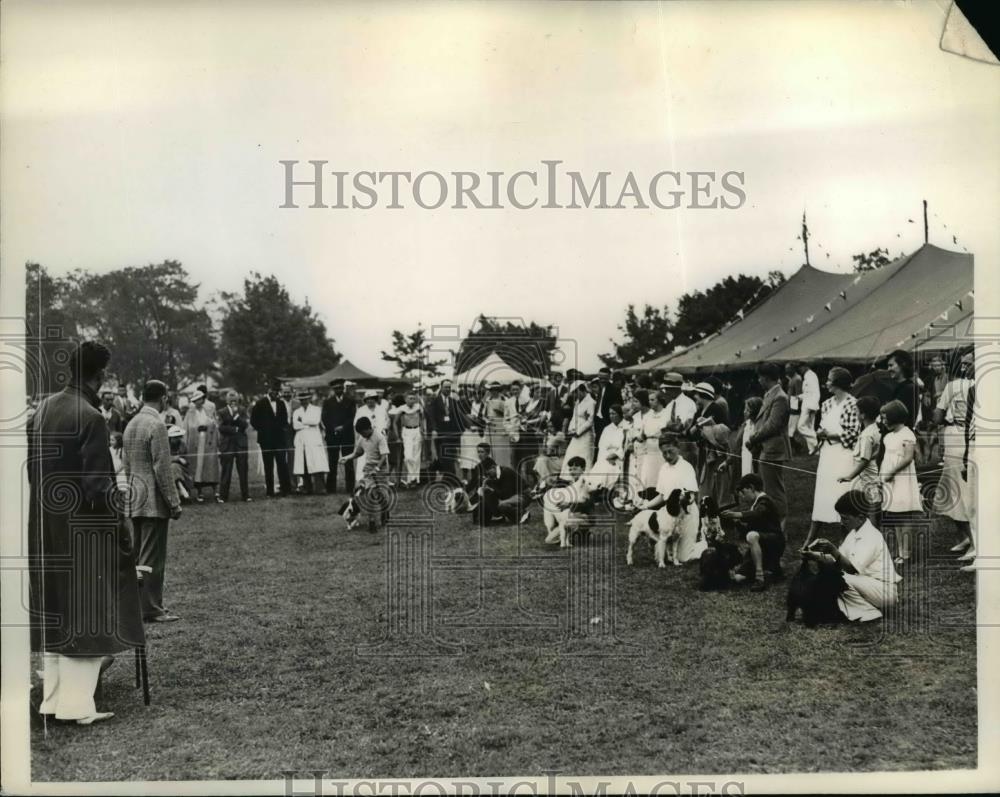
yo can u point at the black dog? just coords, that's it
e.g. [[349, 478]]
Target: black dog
[[720, 557], [815, 589]]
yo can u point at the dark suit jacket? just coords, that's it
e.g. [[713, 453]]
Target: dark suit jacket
[[116, 423], [438, 412], [270, 427], [339, 414], [608, 394], [232, 430], [770, 435], [504, 486]]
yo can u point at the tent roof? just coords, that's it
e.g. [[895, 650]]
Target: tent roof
[[877, 310], [344, 370], [492, 368]]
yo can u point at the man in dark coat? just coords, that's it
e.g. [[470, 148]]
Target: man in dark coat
[[493, 489], [607, 394], [233, 425], [447, 424], [112, 417], [769, 441], [84, 596], [338, 421], [269, 417]]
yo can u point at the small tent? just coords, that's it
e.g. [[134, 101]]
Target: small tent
[[347, 371]]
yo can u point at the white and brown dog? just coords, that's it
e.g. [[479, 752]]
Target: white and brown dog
[[662, 527]]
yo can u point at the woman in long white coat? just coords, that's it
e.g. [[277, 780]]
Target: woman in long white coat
[[653, 424], [581, 429], [607, 469], [310, 447]]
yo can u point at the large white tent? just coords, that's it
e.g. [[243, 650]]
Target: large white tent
[[493, 369]]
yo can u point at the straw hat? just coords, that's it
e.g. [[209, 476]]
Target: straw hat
[[705, 389]]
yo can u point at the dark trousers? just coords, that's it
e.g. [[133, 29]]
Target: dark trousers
[[772, 474], [447, 449], [151, 543], [334, 451], [271, 459], [226, 460]]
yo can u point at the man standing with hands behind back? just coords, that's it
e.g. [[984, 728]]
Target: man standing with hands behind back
[[152, 500], [447, 427], [769, 442], [338, 421]]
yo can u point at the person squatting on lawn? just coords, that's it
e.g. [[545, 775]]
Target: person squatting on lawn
[[566, 505], [763, 534], [372, 448], [864, 558], [84, 596], [493, 490]]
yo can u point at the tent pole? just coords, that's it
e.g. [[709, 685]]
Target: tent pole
[[926, 237]]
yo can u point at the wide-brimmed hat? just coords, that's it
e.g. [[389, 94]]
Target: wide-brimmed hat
[[372, 394], [304, 394], [494, 385], [705, 389], [687, 387], [174, 431], [673, 380], [198, 396]]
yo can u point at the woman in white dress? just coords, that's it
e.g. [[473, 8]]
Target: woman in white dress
[[901, 505], [581, 428], [676, 473], [474, 432], [310, 447], [607, 469], [636, 446], [955, 497], [496, 412], [653, 424], [839, 427]]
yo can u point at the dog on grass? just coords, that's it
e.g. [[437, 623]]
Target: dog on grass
[[720, 557], [350, 510], [663, 528], [814, 590]]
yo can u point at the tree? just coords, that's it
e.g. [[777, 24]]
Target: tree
[[266, 335], [150, 319], [646, 337], [50, 330], [700, 313], [411, 354], [871, 261]]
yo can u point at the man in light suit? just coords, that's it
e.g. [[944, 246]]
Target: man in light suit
[[769, 441], [152, 495]]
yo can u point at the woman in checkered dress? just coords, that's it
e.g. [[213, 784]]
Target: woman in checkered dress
[[839, 427]]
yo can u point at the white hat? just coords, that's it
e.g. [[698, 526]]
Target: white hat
[[197, 395], [577, 385], [705, 389], [372, 394], [687, 387], [174, 431]]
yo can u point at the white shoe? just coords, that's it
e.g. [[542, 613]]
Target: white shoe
[[961, 546], [972, 567], [100, 716], [968, 556]]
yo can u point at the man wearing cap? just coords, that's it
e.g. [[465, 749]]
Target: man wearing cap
[[338, 421], [681, 410], [269, 417], [152, 499], [607, 394], [769, 442], [447, 427]]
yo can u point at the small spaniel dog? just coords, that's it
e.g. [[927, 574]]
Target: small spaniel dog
[[457, 502], [650, 522], [350, 510]]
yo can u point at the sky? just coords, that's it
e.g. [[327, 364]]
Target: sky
[[145, 131]]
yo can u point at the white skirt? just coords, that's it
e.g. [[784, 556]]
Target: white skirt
[[954, 497], [835, 461], [652, 460], [604, 474], [310, 452]]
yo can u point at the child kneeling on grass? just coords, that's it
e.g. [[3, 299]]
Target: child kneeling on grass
[[373, 446]]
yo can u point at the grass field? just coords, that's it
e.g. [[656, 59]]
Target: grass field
[[572, 668]]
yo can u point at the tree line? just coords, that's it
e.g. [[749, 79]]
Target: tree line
[[157, 326]]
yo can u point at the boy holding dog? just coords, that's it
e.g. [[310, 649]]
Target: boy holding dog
[[764, 536], [373, 450]]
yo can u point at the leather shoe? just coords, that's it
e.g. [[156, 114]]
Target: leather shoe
[[164, 618]]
